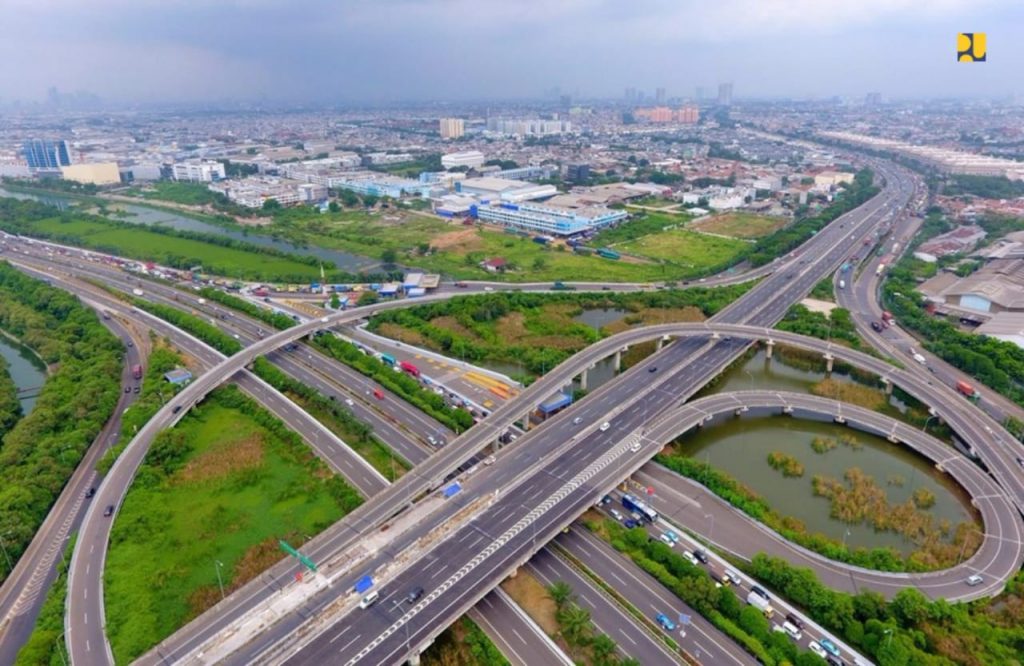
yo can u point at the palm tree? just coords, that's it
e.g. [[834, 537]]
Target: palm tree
[[575, 623], [560, 592], [603, 649]]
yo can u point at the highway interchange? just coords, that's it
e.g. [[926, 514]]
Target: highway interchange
[[682, 366]]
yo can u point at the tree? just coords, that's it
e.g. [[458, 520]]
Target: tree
[[271, 204], [575, 623], [389, 257], [539, 263], [335, 301], [423, 249], [334, 207], [560, 592], [603, 650]]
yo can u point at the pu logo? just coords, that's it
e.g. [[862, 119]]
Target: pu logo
[[970, 47]]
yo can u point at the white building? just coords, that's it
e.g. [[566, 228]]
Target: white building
[[451, 128], [199, 172], [466, 158]]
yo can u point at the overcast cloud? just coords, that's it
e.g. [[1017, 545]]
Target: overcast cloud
[[381, 50]]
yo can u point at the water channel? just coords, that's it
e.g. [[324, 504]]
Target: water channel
[[25, 368], [145, 215]]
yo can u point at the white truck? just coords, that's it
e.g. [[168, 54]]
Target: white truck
[[761, 604], [917, 357]]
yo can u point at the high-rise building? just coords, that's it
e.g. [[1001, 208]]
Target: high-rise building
[[46, 154], [700, 93], [630, 94], [452, 128], [196, 171], [873, 99], [725, 94], [659, 96]]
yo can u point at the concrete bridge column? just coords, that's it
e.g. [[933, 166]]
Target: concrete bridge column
[[839, 418], [618, 358], [769, 346], [526, 422], [788, 409], [659, 344], [893, 438], [888, 385], [829, 359]]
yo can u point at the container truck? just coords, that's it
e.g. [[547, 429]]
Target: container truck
[[967, 390], [761, 604]]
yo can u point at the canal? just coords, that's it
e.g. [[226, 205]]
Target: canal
[[25, 368]]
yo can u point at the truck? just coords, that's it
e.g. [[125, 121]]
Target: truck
[[761, 604], [887, 316], [409, 368], [967, 390], [880, 269], [261, 292], [137, 371], [608, 253]]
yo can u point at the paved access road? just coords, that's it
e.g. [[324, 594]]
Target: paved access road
[[24, 590]]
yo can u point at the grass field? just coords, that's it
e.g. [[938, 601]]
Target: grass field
[[142, 244], [685, 249], [220, 487], [193, 194], [741, 225]]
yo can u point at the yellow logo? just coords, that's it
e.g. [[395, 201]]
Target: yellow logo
[[970, 47]]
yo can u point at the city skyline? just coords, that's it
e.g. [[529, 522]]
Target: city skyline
[[399, 50]]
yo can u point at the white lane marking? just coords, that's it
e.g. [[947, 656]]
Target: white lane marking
[[341, 633]]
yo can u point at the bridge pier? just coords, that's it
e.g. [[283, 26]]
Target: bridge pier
[[839, 419], [526, 422], [741, 410], [893, 438], [583, 378], [618, 358], [829, 360], [888, 385], [788, 409], [769, 346]]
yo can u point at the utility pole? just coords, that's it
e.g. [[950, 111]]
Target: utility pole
[[220, 583]]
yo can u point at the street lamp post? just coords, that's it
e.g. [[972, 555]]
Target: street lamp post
[[217, 564], [711, 530]]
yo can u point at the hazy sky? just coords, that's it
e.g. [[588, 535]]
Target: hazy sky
[[347, 50]]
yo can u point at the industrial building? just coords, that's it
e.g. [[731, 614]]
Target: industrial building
[[500, 189], [548, 219], [199, 172], [98, 173], [466, 158], [383, 185], [254, 192]]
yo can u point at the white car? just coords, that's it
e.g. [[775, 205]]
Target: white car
[[690, 558], [816, 648], [616, 515], [489, 460], [605, 426], [668, 540], [348, 401]]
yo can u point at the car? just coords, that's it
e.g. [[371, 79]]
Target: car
[[717, 579], [607, 499], [689, 557], [817, 649], [876, 326], [653, 368], [578, 420], [795, 621], [732, 577], [635, 446], [616, 515], [1020, 461], [89, 493], [759, 592], [349, 402], [834, 661], [488, 288], [137, 389], [830, 647], [369, 600], [414, 594], [974, 579], [109, 511], [792, 631], [700, 555], [176, 409], [605, 426], [489, 460], [670, 542], [630, 523], [127, 389], [432, 440], [129, 343], [672, 535], [666, 622]]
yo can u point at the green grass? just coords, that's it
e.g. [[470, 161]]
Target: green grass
[[143, 244], [223, 485], [684, 248], [193, 194], [741, 225]]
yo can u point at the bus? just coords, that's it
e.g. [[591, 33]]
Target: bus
[[390, 360], [633, 504]]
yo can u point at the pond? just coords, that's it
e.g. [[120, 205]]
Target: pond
[[25, 368], [145, 215]]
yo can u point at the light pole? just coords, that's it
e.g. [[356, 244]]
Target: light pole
[[10, 567], [846, 533], [217, 564], [711, 530]]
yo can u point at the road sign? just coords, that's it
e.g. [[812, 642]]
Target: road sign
[[309, 564]]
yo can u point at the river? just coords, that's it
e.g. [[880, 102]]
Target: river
[[25, 368], [145, 215]]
